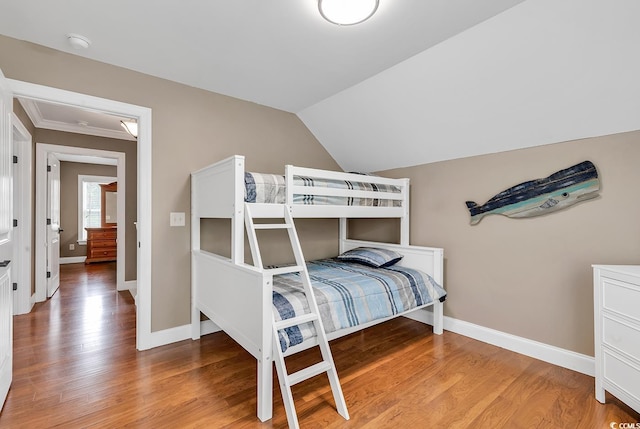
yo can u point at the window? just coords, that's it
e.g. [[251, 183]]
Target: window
[[89, 203]]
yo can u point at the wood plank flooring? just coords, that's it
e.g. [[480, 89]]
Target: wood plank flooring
[[75, 366]]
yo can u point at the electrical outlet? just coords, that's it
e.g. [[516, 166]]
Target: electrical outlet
[[176, 219], [72, 246]]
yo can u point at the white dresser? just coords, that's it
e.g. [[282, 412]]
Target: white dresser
[[617, 332]]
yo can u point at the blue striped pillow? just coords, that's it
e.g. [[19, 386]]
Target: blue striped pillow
[[371, 256]]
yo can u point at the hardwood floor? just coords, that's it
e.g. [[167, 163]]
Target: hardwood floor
[[75, 366]]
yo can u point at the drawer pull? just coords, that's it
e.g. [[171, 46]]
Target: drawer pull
[[5, 263]]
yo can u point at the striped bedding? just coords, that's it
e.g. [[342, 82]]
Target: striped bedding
[[349, 294], [270, 188]]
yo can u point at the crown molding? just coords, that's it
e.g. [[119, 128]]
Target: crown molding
[[34, 113]]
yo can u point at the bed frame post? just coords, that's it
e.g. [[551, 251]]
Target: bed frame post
[[438, 317], [404, 220], [265, 388], [237, 221], [265, 360], [438, 276], [343, 233], [195, 246]]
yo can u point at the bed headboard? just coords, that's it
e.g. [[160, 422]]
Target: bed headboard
[[427, 259], [225, 181]]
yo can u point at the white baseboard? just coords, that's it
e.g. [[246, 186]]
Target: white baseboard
[[544, 352], [132, 286], [179, 333], [73, 260], [167, 336], [208, 327]]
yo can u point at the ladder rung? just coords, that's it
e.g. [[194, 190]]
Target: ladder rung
[[284, 270], [307, 373], [298, 320], [271, 225]]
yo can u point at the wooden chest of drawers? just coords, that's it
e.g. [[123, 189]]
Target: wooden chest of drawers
[[101, 244], [617, 332]]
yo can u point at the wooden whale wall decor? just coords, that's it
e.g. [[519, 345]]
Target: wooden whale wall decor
[[541, 196]]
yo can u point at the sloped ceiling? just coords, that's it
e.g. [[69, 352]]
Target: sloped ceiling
[[279, 53], [422, 81], [542, 72]]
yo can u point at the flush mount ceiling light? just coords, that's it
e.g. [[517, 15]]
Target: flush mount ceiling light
[[131, 127], [78, 41], [347, 12]]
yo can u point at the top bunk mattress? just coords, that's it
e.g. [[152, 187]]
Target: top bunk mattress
[[271, 189], [350, 294]]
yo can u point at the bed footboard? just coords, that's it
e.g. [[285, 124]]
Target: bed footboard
[[237, 298]]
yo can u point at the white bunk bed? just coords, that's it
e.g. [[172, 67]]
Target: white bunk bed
[[237, 297]]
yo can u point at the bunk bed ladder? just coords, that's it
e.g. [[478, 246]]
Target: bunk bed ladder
[[327, 365]]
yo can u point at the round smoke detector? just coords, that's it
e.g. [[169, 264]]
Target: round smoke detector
[[78, 41]]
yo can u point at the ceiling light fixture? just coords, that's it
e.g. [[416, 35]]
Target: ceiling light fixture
[[347, 12], [78, 41], [131, 127]]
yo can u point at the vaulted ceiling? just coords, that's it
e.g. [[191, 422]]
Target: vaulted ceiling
[[422, 81]]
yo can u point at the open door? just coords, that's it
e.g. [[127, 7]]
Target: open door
[[53, 224], [6, 250]]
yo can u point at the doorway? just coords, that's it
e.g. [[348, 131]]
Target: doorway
[[43, 153], [143, 116]]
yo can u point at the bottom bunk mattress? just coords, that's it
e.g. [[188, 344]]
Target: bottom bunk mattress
[[349, 294]]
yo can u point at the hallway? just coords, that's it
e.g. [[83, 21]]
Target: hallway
[[66, 347]]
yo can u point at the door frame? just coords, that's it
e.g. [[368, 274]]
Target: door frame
[[42, 154], [23, 299], [143, 116]]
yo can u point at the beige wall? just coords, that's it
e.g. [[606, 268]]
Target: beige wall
[[69, 172], [191, 129], [529, 277]]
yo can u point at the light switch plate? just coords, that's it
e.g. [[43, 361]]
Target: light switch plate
[[176, 219]]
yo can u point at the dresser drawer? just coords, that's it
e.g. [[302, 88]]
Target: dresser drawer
[[103, 253], [621, 298], [622, 374], [621, 336], [103, 243], [103, 235]]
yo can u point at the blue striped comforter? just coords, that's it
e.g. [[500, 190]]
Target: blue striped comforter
[[349, 294]]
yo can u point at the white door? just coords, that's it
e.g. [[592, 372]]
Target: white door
[[53, 224], [6, 251]]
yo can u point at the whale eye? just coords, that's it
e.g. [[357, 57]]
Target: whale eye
[[565, 194]]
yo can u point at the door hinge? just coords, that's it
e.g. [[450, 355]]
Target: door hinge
[[48, 169], [48, 221], [15, 223], [48, 274], [15, 159], [15, 286]]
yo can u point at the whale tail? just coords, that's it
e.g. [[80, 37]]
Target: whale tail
[[476, 215]]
